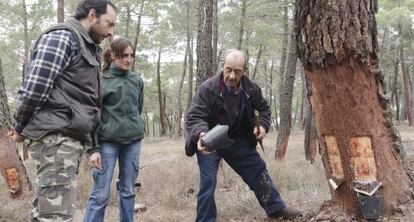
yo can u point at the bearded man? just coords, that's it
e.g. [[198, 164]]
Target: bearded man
[[60, 105]]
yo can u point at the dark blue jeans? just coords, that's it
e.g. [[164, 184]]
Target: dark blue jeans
[[128, 156], [247, 162]]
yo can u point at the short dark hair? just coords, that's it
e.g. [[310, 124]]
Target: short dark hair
[[85, 6]]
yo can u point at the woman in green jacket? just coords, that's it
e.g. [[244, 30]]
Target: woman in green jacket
[[120, 133]]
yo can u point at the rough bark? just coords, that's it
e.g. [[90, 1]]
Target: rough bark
[[11, 165], [204, 38], [337, 44], [286, 103], [241, 27], [138, 30], [311, 137], [163, 122], [61, 11]]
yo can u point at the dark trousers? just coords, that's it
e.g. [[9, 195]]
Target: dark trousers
[[247, 162]]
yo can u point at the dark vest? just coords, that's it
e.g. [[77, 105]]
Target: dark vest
[[73, 105]]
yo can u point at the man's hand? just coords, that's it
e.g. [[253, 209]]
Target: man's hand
[[201, 148], [259, 134], [95, 160], [15, 136]]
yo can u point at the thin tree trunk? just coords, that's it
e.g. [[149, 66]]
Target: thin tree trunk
[[138, 30], [286, 102], [394, 93], [204, 38], [285, 40], [128, 20], [256, 65], [147, 127], [61, 11], [247, 71], [180, 89], [241, 27], [276, 115], [407, 93], [26, 39], [303, 99], [215, 35], [296, 111], [160, 96], [11, 165], [338, 47], [270, 100], [190, 70]]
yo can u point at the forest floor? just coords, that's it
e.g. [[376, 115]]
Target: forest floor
[[170, 184]]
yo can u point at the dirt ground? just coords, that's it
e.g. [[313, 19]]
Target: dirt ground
[[170, 184]]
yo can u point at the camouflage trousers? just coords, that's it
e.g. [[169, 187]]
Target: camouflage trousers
[[57, 160]]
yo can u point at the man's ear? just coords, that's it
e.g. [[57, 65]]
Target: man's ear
[[92, 15]]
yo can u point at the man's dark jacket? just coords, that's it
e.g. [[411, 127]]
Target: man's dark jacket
[[208, 104], [73, 106]]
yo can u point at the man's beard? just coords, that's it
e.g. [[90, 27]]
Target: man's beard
[[94, 33]]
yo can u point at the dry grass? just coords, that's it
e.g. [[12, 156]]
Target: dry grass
[[170, 184]]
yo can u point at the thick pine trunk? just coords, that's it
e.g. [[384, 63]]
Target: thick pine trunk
[[337, 44], [11, 165], [204, 40]]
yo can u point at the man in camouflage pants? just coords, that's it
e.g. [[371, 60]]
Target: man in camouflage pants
[[59, 105]]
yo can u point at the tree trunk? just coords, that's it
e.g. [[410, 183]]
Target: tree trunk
[[407, 93], [163, 124], [190, 69], [215, 35], [256, 65], [394, 93], [26, 39], [204, 38], [286, 102], [285, 40], [61, 11], [276, 122], [180, 90], [247, 70], [137, 31], [311, 137], [128, 20], [337, 44], [11, 165], [303, 99], [147, 127], [270, 100], [241, 27]]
